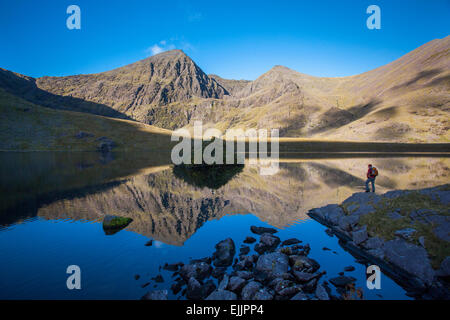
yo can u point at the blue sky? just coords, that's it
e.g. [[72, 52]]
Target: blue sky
[[234, 39]]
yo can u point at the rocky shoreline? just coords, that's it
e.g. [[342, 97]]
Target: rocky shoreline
[[408, 240], [280, 270], [405, 232]]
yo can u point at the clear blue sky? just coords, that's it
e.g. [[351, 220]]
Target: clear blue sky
[[234, 39]]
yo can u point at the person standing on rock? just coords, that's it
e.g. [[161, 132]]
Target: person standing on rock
[[372, 173]]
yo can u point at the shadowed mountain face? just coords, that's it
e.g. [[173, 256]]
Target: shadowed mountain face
[[407, 100]]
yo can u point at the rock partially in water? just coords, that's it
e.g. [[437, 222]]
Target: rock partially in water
[[261, 230], [113, 224], [342, 281], [224, 254], [267, 242], [321, 293], [359, 236], [197, 270], [272, 265], [249, 240], [409, 257], [290, 241], [156, 295], [222, 295], [250, 289], [235, 284]]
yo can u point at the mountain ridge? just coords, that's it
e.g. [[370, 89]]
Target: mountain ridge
[[406, 100]]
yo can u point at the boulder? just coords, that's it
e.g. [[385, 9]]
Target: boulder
[[347, 223], [290, 241], [359, 236], [198, 270], [224, 283], [321, 293], [250, 289], [263, 294], [272, 265], [249, 240], [300, 296], [303, 277], [156, 295], [409, 257], [305, 264], [235, 284], [374, 243], [330, 213], [194, 289], [261, 230], [267, 242], [224, 254], [222, 295]]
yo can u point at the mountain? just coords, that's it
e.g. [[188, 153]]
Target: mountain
[[137, 88], [404, 101]]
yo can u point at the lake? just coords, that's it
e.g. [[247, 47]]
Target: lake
[[52, 207]]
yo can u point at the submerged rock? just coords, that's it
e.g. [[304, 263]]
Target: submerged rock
[[261, 230], [342, 281]]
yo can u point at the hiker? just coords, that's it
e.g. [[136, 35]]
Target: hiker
[[372, 173]]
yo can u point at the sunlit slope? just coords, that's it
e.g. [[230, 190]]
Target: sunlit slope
[[28, 127]]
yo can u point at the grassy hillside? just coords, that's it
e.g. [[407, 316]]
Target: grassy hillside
[[29, 127]]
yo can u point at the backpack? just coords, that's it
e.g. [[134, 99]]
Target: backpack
[[374, 171]]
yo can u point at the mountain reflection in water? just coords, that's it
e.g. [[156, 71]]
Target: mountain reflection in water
[[170, 204]]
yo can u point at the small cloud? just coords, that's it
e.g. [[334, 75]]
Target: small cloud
[[165, 45], [155, 49]]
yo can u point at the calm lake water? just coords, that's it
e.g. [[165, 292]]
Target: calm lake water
[[52, 206]]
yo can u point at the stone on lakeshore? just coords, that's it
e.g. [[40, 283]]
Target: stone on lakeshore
[[290, 241], [444, 270], [373, 243], [359, 236], [222, 295], [300, 296], [249, 240], [156, 295], [244, 274], [406, 233], [362, 198], [267, 242], [218, 272], [303, 277], [263, 294], [261, 230], [250, 289], [225, 251], [198, 270], [331, 213], [272, 264], [224, 283], [377, 253], [172, 266], [347, 223], [244, 250], [235, 284], [305, 264], [321, 292], [194, 289], [409, 257]]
